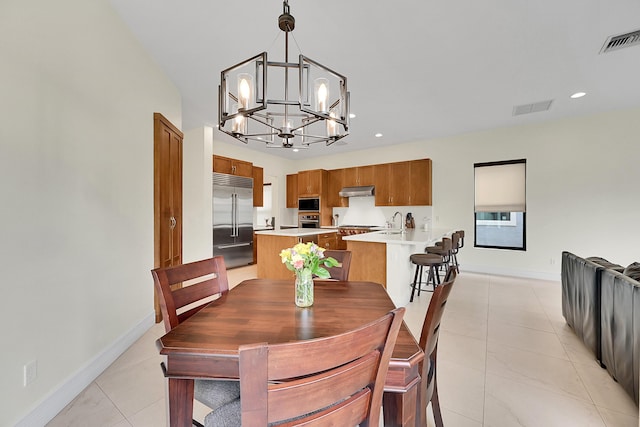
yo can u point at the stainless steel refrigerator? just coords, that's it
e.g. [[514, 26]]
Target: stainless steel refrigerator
[[233, 219]]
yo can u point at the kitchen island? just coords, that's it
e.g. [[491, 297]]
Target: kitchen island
[[270, 243], [383, 257]]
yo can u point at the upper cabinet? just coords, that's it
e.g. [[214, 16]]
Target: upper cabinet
[[232, 166], [336, 182], [292, 191], [360, 175], [403, 183], [311, 182], [258, 186], [420, 190]]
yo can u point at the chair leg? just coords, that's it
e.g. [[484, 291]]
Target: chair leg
[[415, 279], [420, 282], [435, 405]]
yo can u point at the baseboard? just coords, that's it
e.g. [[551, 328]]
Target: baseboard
[[499, 271], [47, 408]]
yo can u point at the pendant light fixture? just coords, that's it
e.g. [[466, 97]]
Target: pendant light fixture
[[283, 104]]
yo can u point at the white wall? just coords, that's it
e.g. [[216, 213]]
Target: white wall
[[582, 188], [77, 97], [197, 236]]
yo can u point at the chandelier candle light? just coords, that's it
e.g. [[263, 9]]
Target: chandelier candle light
[[306, 260], [254, 102]]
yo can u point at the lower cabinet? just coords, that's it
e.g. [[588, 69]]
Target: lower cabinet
[[328, 240]]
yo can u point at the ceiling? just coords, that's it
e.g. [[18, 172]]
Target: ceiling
[[416, 69]]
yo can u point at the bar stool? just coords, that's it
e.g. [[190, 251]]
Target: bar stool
[[461, 233], [456, 248], [443, 248], [432, 260]]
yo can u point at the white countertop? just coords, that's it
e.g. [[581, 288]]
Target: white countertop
[[411, 236], [297, 232]]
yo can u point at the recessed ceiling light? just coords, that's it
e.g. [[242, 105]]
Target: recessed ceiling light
[[378, 135], [578, 95], [351, 115]]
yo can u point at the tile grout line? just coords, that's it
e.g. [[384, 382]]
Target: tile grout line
[[112, 402]]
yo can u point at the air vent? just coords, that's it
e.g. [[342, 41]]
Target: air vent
[[535, 107], [621, 41]]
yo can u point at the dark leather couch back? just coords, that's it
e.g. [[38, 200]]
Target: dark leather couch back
[[581, 299], [620, 329]]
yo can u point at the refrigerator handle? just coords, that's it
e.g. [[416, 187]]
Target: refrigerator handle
[[234, 215]]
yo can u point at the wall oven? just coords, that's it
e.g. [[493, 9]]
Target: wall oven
[[309, 221], [311, 204]]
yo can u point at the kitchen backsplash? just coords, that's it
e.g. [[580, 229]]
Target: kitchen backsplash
[[363, 211]]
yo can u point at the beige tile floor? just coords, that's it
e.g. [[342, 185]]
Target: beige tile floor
[[506, 358]]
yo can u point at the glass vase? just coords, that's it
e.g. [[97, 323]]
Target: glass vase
[[304, 288]]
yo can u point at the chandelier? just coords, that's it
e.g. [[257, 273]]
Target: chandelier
[[283, 104]]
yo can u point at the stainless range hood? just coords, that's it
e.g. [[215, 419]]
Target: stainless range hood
[[365, 190]]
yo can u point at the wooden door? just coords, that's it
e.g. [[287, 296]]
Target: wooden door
[[167, 171]]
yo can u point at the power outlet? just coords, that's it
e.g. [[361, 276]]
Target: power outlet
[[30, 371]]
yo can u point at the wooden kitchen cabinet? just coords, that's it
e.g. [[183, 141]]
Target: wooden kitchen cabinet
[[403, 183], [392, 181], [232, 166], [328, 240], [336, 183], [311, 182], [357, 176], [420, 189], [258, 186], [292, 191]]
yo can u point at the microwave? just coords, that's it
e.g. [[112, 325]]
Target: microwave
[[311, 204]]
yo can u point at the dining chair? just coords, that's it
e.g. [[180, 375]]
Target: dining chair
[[428, 390], [336, 380], [183, 290], [341, 272]]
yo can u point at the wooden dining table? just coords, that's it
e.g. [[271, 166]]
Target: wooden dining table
[[263, 310]]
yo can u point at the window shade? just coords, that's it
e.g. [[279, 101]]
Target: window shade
[[500, 187]]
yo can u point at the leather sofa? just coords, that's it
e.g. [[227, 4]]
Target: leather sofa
[[601, 302]]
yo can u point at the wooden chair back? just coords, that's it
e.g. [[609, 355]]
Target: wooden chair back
[[428, 391], [340, 272], [336, 380], [208, 278]]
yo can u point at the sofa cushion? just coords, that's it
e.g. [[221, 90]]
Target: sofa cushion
[[606, 264], [633, 271]]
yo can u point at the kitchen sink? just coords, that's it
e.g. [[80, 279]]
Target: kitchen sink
[[392, 232]]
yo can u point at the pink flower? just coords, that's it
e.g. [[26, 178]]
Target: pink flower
[[298, 264]]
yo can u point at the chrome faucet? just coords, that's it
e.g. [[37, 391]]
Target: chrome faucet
[[393, 219]]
